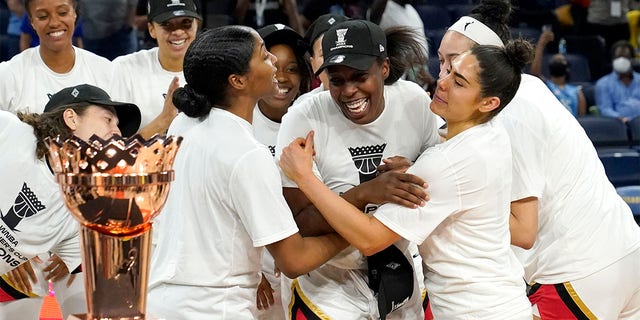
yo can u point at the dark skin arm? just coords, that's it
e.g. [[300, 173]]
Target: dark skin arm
[[376, 11], [391, 185]]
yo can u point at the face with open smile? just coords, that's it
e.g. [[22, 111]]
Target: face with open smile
[[288, 75], [174, 35], [54, 22], [359, 93]]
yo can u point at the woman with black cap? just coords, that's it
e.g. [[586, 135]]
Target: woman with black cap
[[35, 219], [148, 77]]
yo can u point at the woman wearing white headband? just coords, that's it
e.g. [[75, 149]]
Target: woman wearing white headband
[[584, 244]]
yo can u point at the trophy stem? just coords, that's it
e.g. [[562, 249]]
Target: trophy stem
[[116, 274]]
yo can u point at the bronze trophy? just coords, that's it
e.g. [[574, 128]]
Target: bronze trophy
[[114, 188]]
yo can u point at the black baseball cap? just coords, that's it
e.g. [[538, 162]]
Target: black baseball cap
[[163, 10], [280, 34], [83, 95], [391, 277], [320, 26], [353, 43]]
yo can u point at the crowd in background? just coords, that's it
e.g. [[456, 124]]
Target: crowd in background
[[168, 63]]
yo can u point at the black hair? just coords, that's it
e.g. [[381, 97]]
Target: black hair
[[404, 49], [622, 44], [211, 58], [74, 4], [495, 15], [500, 70]]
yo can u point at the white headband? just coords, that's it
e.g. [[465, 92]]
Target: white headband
[[476, 31]]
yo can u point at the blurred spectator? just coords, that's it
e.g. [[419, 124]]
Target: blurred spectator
[[109, 28], [570, 95], [16, 8], [259, 13], [609, 20], [29, 37], [401, 13], [618, 93]]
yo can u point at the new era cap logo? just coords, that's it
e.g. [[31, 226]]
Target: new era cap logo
[[175, 3], [381, 47], [279, 26], [75, 93], [331, 21], [337, 59]]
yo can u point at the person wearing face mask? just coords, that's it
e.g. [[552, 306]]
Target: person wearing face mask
[[570, 95], [618, 93]]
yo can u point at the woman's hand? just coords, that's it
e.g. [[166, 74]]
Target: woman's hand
[[296, 159], [57, 270], [20, 276], [395, 163]]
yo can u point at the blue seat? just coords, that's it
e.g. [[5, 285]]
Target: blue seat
[[634, 131], [605, 131], [434, 17], [631, 195], [579, 70], [622, 166]]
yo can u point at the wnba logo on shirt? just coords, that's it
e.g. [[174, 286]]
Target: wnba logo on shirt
[[25, 205], [367, 159]]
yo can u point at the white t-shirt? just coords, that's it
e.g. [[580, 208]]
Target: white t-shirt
[[403, 15], [226, 203], [140, 79], [347, 154], [266, 132], [583, 225], [26, 83], [34, 218], [463, 230]]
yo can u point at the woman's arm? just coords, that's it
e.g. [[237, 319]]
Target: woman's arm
[[365, 233], [523, 222]]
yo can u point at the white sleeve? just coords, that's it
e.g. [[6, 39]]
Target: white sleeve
[[69, 249], [294, 125], [256, 192], [415, 225], [8, 88], [528, 156]]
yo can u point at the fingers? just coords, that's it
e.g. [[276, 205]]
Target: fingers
[[56, 270], [20, 277], [308, 143], [264, 297], [175, 83]]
